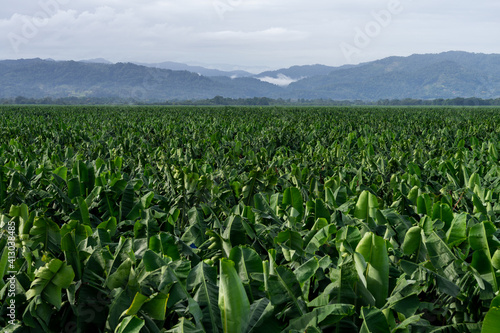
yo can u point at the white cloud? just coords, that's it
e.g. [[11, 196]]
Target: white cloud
[[281, 80], [273, 34], [278, 33]]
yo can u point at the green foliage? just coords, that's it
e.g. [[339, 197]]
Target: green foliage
[[245, 220]]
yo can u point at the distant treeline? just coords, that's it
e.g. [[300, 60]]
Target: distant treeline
[[219, 100]]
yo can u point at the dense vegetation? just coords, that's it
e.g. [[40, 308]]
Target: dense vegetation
[[260, 101], [154, 219]]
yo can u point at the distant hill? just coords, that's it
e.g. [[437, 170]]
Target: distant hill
[[428, 76], [176, 66], [36, 78], [445, 75]]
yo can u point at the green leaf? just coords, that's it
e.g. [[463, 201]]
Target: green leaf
[[127, 202], [235, 231], [335, 313], [260, 310], [164, 243], [120, 277], [443, 212], [49, 280], [291, 243], [413, 240], [139, 300], [321, 211], [292, 197], [233, 301], [156, 307], [479, 207], [74, 190], [246, 261], [481, 257], [185, 326], [491, 321], [307, 270], [202, 280], [373, 248], [283, 287], [458, 230], [47, 233], [374, 321], [366, 206], [130, 324], [82, 212], [424, 204], [441, 257]]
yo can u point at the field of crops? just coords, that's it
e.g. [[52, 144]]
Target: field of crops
[[234, 220]]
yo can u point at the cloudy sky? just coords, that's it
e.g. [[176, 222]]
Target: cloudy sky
[[254, 34]]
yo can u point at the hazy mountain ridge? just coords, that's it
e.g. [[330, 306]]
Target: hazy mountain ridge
[[429, 76], [177, 66]]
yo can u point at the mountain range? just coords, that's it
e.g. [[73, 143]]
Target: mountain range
[[422, 76]]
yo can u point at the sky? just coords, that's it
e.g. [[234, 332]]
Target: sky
[[245, 34]]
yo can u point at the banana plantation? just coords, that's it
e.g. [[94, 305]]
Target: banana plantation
[[244, 219]]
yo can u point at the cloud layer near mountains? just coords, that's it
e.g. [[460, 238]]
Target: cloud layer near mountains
[[274, 33]]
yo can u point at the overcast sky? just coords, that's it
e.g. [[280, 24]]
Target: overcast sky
[[254, 34]]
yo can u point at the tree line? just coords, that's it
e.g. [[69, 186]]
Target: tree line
[[259, 101]]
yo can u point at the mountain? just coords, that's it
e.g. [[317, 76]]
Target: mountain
[[36, 78], [427, 76], [176, 66]]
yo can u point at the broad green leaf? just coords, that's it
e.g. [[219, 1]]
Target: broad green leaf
[[479, 207], [156, 307], [120, 277], [373, 248], [46, 232], [185, 326], [130, 324], [424, 204], [291, 243], [50, 279], [374, 321], [366, 206], [307, 270], [441, 257], [481, 257], [82, 212], [259, 311], [233, 301], [292, 197], [247, 262], [443, 212], [139, 300], [321, 211], [285, 288], [492, 319], [413, 240], [202, 280], [458, 230], [313, 319]]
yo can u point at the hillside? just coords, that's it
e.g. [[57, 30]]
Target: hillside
[[429, 76], [36, 78], [445, 75]]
